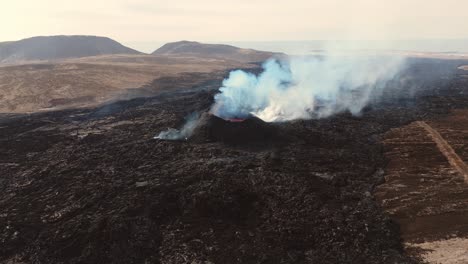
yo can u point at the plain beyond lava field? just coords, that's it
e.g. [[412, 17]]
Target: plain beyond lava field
[[93, 186]]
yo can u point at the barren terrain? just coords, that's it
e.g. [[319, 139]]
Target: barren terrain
[[93, 186], [58, 72], [93, 80], [426, 187]]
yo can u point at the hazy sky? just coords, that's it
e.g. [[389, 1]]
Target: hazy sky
[[235, 20]]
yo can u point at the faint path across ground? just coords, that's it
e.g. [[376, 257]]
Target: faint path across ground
[[425, 188], [447, 150]]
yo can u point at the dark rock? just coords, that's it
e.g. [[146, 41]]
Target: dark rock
[[238, 131]]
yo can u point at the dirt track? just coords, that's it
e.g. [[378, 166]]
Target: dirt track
[[425, 189], [447, 150]]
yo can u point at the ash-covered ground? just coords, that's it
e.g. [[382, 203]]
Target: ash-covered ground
[[93, 186]]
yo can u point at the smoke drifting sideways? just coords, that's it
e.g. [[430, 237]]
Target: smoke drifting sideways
[[300, 88], [184, 133], [306, 87]]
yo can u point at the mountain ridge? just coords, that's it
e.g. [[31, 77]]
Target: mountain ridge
[[60, 47], [218, 51]]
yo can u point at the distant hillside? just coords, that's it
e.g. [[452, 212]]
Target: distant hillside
[[60, 47], [89, 81], [219, 51]]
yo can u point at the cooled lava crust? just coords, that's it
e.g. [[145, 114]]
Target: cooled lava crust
[[234, 130], [93, 186]]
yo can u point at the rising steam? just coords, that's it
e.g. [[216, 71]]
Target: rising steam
[[305, 87], [299, 88], [182, 134]]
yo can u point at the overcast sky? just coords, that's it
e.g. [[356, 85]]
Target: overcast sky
[[235, 20]]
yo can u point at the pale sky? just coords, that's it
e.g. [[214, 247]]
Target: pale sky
[[235, 20]]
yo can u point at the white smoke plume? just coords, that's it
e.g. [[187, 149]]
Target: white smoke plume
[[184, 133], [306, 87]]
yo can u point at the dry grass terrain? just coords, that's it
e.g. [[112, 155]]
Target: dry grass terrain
[[425, 189], [91, 80]]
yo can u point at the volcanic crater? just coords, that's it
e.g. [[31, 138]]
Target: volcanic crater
[[233, 130], [93, 186]]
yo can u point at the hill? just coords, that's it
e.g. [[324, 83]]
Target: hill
[[60, 47], [219, 51]]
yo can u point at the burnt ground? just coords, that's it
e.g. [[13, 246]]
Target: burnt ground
[[93, 186]]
